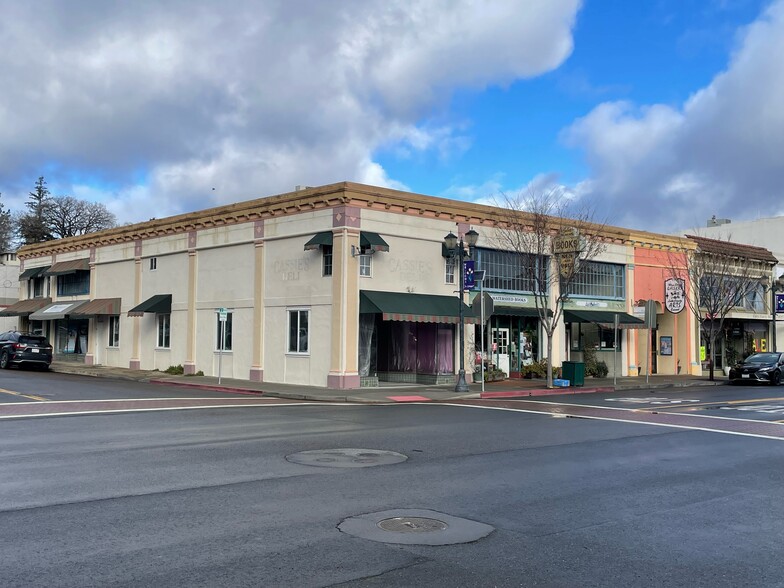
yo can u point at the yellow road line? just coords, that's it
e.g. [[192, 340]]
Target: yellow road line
[[30, 396]]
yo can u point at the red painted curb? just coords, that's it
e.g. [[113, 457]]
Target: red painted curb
[[208, 387], [544, 392]]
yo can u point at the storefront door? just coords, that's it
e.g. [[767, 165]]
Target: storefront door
[[501, 349]]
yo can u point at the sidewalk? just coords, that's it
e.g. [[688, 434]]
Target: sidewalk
[[388, 392]]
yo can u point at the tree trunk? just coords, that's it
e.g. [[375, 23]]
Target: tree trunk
[[550, 360]]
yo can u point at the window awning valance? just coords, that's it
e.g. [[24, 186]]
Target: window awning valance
[[319, 240], [33, 272], [158, 304], [517, 311], [99, 306], [25, 307], [416, 308], [62, 268], [604, 318], [372, 241], [58, 310]]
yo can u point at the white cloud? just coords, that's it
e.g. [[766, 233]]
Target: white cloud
[[662, 167], [249, 98]]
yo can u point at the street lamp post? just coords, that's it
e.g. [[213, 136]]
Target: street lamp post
[[457, 249], [776, 286]]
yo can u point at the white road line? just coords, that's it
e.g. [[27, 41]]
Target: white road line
[[617, 420], [163, 408]]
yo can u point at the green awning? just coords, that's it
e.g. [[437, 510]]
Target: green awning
[[33, 272], [517, 311], [158, 304], [368, 240], [319, 240], [415, 308], [372, 241], [603, 317]]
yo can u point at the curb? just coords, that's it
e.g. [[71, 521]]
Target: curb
[[212, 387], [545, 392]]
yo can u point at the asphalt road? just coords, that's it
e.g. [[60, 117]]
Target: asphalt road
[[207, 498]]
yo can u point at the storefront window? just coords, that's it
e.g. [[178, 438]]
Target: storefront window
[[593, 336], [71, 336], [74, 284], [509, 271], [599, 280]]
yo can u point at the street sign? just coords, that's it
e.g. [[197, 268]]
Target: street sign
[[223, 315], [567, 262], [567, 241], [489, 304]]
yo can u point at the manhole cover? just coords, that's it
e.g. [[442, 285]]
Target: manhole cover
[[346, 458], [412, 525]]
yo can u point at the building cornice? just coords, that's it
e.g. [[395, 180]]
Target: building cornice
[[325, 197]]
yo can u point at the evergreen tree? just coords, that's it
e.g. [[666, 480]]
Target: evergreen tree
[[33, 226], [6, 228]]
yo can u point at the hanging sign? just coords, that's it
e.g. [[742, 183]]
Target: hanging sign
[[468, 274], [779, 303], [674, 294]]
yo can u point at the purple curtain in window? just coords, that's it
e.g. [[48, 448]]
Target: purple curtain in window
[[403, 347], [426, 348], [445, 349]]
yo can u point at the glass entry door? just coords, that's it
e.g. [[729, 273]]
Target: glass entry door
[[501, 349]]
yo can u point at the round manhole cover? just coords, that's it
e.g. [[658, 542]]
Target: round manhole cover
[[346, 458], [412, 525]]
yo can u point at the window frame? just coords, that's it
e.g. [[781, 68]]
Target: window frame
[[326, 261], [365, 265], [166, 334], [450, 270], [298, 312], [153, 264], [114, 331], [599, 279], [74, 284]]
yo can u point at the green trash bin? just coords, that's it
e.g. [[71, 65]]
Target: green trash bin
[[574, 371]]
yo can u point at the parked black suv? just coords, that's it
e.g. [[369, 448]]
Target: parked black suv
[[21, 348]]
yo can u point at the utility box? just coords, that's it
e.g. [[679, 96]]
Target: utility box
[[574, 371]]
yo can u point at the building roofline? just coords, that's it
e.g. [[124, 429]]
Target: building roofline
[[323, 197]]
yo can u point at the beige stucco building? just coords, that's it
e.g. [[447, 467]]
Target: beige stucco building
[[340, 285]]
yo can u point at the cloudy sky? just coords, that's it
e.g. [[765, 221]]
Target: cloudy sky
[[661, 113]]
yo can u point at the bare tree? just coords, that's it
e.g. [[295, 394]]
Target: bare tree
[[531, 224], [720, 276], [67, 216]]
